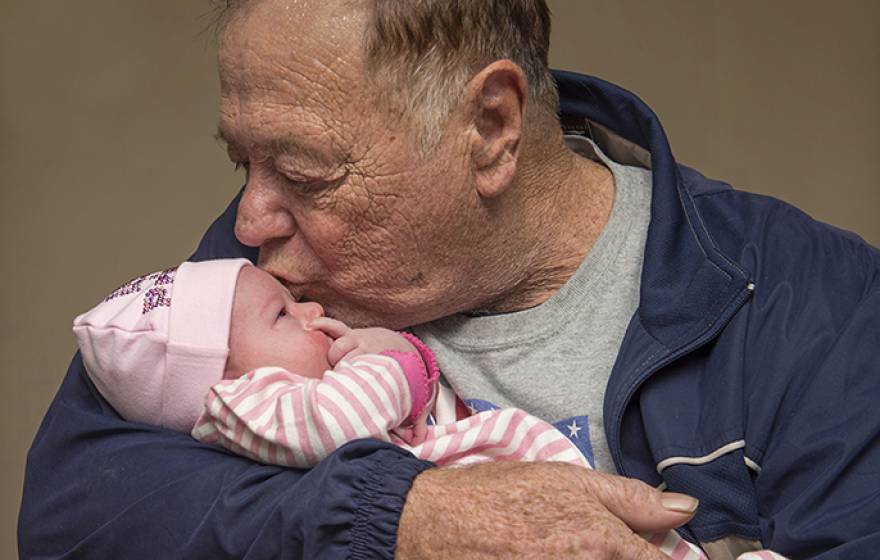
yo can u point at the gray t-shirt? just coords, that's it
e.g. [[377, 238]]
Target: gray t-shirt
[[554, 360]]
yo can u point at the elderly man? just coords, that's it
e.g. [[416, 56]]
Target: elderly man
[[406, 167]]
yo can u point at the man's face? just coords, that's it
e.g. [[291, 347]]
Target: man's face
[[344, 210]]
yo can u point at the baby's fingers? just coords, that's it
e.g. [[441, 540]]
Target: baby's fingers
[[340, 348], [419, 433], [332, 327]]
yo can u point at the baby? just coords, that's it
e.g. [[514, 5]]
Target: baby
[[221, 350]]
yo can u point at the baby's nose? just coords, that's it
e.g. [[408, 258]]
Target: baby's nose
[[309, 310]]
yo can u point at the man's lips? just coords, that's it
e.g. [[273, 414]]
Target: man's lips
[[296, 286], [296, 289]]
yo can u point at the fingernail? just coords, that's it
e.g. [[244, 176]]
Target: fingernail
[[680, 503]]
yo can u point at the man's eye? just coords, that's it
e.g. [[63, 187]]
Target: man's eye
[[282, 313], [313, 185], [306, 186]]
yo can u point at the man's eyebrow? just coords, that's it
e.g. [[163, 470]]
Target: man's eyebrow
[[277, 146], [306, 155], [281, 146]]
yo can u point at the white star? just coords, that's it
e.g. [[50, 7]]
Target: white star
[[573, 429], [472, 408]]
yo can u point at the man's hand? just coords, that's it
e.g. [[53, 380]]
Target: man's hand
[[534, 510]]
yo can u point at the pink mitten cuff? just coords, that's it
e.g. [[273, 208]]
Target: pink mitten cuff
[[426, 354], [421, 373]]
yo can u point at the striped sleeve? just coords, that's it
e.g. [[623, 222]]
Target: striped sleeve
[[277, 417], [507, 434]]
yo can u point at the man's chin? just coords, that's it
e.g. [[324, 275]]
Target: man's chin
[[350, 313], [355, 318]]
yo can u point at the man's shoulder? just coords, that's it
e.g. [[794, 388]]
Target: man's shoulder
[[801, 268], [775, 240]]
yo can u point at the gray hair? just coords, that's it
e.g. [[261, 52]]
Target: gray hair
[[432, 48], [426, 51]]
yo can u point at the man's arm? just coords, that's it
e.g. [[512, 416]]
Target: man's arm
[[819, 481], [534, 510], [99, 487]]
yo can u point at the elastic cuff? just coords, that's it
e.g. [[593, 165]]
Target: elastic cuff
[[427, 355], [380, 503], [420, 388]]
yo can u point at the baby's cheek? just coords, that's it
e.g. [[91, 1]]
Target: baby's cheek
[[310, 355], [243, 358], [320, 342]]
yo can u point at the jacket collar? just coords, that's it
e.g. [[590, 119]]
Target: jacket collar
[[686, 281]]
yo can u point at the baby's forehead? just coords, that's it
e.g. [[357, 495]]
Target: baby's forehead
[[255, 276], [255, 285]]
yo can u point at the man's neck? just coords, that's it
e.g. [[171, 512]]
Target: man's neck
[[567, 201]]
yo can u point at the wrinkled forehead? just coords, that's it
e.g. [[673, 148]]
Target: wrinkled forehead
[[289, 62], [290, 36]]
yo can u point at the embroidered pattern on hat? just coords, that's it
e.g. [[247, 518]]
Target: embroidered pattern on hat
[[130, 287], [156, 297], [163, 277]]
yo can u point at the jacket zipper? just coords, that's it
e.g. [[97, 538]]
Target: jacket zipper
[[652, 368]]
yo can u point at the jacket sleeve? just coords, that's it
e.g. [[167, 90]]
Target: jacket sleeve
[[819, 483], [814, 424], [274, 416], [99, 487]]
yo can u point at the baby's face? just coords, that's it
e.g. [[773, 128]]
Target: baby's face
[[268, 329]]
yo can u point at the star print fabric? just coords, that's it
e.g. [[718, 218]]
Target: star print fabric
[[576, 428]]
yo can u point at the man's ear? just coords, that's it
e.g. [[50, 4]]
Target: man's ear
[[496, 103]]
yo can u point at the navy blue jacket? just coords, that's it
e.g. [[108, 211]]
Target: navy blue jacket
[[749, 377]]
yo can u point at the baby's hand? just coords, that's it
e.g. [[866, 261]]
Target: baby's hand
[[350, 342], [417, 433]]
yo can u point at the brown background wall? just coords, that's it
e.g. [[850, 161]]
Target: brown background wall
[[109, 168]]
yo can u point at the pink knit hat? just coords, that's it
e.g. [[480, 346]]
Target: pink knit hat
[[156, 344]]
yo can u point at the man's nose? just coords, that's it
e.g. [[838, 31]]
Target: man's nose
[[262, 213]]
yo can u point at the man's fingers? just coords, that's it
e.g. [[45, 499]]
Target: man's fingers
[[642, 508], [331, 327]]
